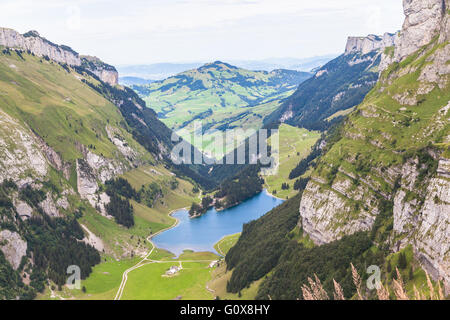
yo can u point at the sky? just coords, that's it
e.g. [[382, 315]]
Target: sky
[[149, 31]]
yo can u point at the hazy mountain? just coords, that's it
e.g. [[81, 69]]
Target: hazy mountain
[[157, 71], [160, 71], [130, 81], [306, 64]]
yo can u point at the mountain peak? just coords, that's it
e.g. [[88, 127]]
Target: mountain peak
[[32, 33], [218, 65]]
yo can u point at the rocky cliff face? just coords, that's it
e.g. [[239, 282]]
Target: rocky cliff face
[[423, 22], [13, 247], [425, 220], [338, 85], [390, 167], [105, 72], [364, 45], [41, 47], [425, 19], [20, 155]]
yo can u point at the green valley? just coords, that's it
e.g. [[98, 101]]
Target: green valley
[[343, 194], [222, 96]]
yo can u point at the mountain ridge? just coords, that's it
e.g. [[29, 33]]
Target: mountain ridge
[[33, 42], [338, 85]]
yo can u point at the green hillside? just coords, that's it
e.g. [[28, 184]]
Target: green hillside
[[339, 85], [221, 95], [54, 116], [57, 105]]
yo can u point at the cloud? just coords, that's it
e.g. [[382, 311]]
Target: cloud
[[158, 30]]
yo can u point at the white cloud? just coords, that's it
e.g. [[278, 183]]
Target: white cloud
[[139, 31]]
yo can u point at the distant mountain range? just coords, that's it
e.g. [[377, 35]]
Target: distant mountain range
[[131, 81], [161, 71], [221, 95], [305, 64]]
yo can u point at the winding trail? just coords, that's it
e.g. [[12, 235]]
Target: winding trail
[[146, 260]]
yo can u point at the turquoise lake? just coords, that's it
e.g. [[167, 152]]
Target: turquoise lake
[[200, 234]]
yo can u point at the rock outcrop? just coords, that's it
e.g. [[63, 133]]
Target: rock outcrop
[[422, 23], [20, 155], [13, 247], [319, 218], [425, 20], [24, 210], [88, 187], [105, 72], [372, 42], [91, 169], [48, 205], [41, 47]]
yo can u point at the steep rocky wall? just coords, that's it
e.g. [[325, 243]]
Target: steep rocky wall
[[425, 222], [422, 23], [13, 247], [105, 72], [364, 45], [39, 46], [20, 155], [108, 76]]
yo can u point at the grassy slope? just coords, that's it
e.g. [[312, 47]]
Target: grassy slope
[[220, 275], [219, 89], [237, 97], [64, 111], [341, 113], [58, 106], [149, 282], [226, 243], [295, 145]]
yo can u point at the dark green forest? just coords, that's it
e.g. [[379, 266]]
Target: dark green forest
[[315, 99], [261, 245], [328, 262]]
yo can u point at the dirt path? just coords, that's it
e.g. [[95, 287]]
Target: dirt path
[[145, 261]]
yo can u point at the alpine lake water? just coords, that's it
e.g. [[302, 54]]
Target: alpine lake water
[[201, 233]]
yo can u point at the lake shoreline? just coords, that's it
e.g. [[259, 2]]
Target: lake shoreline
[[201, 233]]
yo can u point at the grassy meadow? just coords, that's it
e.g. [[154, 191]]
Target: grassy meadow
[[295, 145]]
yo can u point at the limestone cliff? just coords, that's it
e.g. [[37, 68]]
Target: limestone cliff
[[13, 247], [41, 47], [389, 169], [424, 19], [105, 72], [364, 45]]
